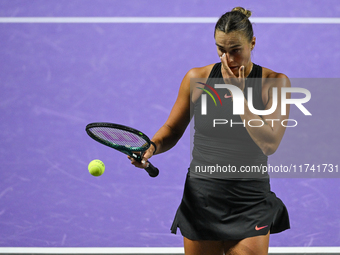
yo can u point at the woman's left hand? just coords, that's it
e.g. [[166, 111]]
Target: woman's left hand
[[229, 77]]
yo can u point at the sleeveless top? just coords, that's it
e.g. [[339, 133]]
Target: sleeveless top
[[226, 150]]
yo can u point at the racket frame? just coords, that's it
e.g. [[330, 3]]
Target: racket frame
[[130, 151]]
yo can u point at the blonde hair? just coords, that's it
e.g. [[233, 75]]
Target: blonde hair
[[236, 20], [246, 12]]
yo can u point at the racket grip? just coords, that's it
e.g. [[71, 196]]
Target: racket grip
[[152, 171]]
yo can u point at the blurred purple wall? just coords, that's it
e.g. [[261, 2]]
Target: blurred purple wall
[[56, 78]]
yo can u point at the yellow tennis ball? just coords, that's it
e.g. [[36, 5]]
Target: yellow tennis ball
[[96, 167]]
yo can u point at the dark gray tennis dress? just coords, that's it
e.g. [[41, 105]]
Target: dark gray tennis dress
[[223, 207]]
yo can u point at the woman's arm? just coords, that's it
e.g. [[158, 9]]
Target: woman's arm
[[268, 136], [172, 130]]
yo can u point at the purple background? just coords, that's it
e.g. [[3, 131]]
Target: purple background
[[56, 78]]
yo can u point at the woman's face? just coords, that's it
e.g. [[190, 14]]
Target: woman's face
[[237, 49]]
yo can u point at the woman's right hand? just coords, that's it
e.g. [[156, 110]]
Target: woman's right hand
[[229, 77], [145, 157]]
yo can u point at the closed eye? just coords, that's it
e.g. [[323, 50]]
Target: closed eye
[[221, 49]]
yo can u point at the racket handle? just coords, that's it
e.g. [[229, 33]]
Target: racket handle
[[152, 171]]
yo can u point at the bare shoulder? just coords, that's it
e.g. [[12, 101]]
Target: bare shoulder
[[195, 73], [268, 77], [271, 79], [200, 72]]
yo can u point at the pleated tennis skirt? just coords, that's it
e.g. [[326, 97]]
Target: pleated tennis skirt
[[220, 209]]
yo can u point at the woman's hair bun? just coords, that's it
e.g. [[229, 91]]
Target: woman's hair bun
[[242, 10]]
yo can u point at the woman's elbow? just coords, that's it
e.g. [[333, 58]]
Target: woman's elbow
[[269, 149]]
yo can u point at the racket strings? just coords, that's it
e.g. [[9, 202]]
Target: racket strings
[[119, 137]]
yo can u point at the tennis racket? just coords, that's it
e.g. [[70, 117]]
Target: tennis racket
[[124, 139]]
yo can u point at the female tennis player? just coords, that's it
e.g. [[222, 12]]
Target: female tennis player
[[221, 214]]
